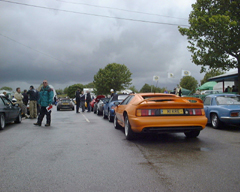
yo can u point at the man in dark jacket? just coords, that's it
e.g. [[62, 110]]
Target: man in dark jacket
[[33, 102], [25, 97], [45, 101], [77, 100], [88, 100]]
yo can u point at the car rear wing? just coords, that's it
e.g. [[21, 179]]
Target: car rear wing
[[172, 99]]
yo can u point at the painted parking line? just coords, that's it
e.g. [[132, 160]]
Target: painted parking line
[[86, 118]]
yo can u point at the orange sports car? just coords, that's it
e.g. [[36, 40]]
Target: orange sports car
[[160, 113]]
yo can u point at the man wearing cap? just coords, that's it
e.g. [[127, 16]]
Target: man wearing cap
[[33, 102]]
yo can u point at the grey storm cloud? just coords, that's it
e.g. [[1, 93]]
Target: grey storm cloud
[[69, 47]]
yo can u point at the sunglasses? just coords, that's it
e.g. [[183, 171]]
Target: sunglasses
[[44, 82]]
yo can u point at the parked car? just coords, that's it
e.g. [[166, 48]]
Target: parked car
[[100, 105], [95, 101], [207, 92], [159, 113], [9, 112], [221, 109], [108, 109], [65, 103]]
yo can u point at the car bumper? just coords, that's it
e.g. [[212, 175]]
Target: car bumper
[[231, 120], [65, 107], [167, 123]]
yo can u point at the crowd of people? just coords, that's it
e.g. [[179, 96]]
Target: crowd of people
[[40, 102], [81, 98]]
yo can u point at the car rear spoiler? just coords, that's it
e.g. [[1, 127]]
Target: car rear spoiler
[[174, 99]]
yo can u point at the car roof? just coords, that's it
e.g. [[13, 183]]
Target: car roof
[[221, 94]]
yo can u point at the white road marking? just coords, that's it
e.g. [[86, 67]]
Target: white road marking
[[86, 118]]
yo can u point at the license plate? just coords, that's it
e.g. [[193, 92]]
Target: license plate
[[171, 111], [65, 103]]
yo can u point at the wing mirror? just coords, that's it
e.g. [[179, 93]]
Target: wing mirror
[[116, 103]]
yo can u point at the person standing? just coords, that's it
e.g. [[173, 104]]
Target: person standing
[[77, 100], [25, 97], [19, 97], [33, 102], [88, 100], [82, 101], [45, 100], [112, 92]]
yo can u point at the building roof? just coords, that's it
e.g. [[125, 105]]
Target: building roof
[[230, 76]]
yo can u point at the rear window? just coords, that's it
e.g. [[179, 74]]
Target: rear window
[[228, 100], [152, 96]]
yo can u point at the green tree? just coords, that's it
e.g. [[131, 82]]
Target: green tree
[[113, 76], [59, 91], [89, 85], [6, 88], [73, 88], [189, 82], [214, 34], [211, 73], [65, 90], [146, 88]]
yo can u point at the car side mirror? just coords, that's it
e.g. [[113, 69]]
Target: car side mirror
[[116, 103]]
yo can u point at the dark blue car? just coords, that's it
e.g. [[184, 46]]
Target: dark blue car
[[108, 109], [222, 109]]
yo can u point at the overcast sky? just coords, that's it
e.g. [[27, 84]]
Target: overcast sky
[[67, 43]]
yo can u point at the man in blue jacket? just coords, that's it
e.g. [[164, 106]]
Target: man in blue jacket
[[45, 100]]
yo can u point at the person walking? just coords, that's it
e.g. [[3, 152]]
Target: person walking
[[45, 101], [82, 101], [19, 97], [88, 100], [33, 93], [77, 100]]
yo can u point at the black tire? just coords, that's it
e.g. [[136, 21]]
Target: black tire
[[104, 116], [192, 134], [130, 135], [115, 123], [19, 118], [216, 123], [94, 109], [110, 118], [58, 109], [73, 108], [2, 121]]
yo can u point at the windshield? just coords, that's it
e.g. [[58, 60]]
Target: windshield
[[122, 97], [228, 100], [65, 101]]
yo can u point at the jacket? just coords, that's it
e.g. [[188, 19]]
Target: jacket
[[88, 99], [18, 97], [33, 94], [45, 96], [82, 97]]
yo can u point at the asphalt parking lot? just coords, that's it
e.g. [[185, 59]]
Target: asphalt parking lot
[[83, 152]]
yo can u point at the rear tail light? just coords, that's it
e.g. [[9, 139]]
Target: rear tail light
[[194, 112], [235, 114]]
